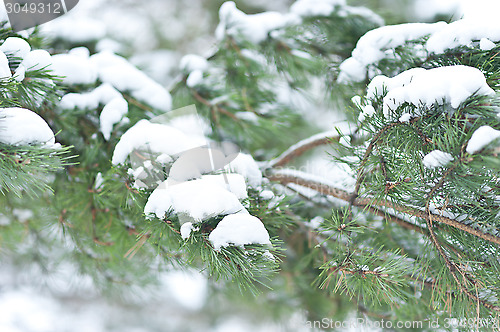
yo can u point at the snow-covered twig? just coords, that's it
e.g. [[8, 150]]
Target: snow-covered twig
[[326, 188], [303, 146]]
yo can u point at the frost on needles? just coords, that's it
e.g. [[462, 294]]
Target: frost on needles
[[368, 170]]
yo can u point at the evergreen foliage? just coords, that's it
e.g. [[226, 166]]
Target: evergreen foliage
[[402, 241]]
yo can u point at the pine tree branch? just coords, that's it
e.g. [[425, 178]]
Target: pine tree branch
[[384, 214], [220, 109], [388, 217], [95, 238], [408, 225], [429, 232], [367, 312], [361, 272], [361, 171], [320, 242], [373, 144], [401, 222], [450, 265], [137, 103], [303, 146], [328, 189]]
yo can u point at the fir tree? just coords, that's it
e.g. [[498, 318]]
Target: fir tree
[[404, 226]]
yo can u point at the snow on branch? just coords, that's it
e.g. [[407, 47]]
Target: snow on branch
[[425, 39], [418, 86], [325, 187], [303, 146]]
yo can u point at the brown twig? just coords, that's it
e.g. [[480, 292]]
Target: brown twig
[[137, 103], [303, 146], [220, 109], [369, 149], [370, 201], [361, 272], [94, 231], [427, 215], [127, 184], [62, 219], [408, 225]]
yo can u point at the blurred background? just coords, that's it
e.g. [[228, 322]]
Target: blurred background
[[155, 35]]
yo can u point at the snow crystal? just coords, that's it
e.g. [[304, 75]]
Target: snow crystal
[[74, 69], [319, 179], [37, 59], [301, 54], [118, 72], [115, 106], [248, 116], [234, 183], [254, 28], [417, 86], [374, 46], [103, 94], [194, 79], [485, 44], [437, 158], [192, 62], [19, 126], [345, 141], [121, 74], [239, 230], [482, 137], [4, 67], [99, 180], [186, 230], [20, 73], [266, 195], [381, 43], [481, 9], [306, 8], [356, 100], [154, 95], [367, 111], [111, 114], [158, 138], [16, 47], [405, 117], [245, 165], [351, 70], [164, 159], [445, 213], [254, 56], [81, 51], [381, 83], [198, 199], [463, 33], [191, 124], [269, 256]]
